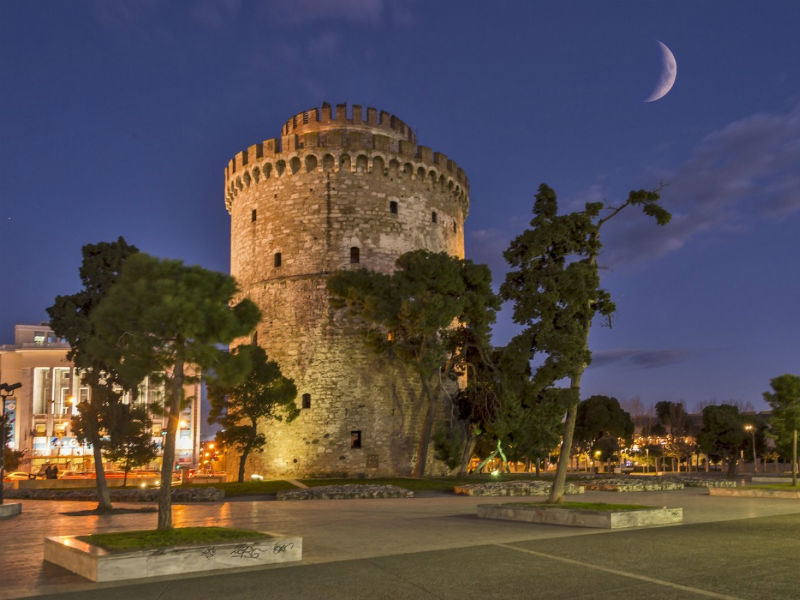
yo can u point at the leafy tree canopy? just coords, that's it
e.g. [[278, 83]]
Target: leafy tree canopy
[[430, 313], [602, 417], [722, 436], [555, 287], [159, 316], [249, 388]]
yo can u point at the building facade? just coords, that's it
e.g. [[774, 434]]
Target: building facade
[[340, 189], [41, 410]]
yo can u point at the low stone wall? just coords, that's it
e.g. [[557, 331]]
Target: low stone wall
[[707, 483], [574, 517], [199, 494], [632, 484], [97, 564], [350, 491], [751, 493], [513, 488], [10, 509]]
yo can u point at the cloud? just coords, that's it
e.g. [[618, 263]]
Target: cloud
[[486, 246], [299, 12], [123, 12], [326, 44], [642, 359], [215, 13], [744, 172]]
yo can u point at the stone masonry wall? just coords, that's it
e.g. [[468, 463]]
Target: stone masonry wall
[[352, 184]]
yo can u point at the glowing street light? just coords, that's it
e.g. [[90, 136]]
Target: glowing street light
[[752, 431]]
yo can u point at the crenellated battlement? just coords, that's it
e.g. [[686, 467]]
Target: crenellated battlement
[[331, 141], [326, 118]]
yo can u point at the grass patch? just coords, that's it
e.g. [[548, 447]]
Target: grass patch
[[425, 484], [786, 487], [153, 539], [603, 506], [428, 484]]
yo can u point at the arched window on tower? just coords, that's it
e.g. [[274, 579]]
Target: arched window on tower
[[306, 401], [393, 207], [355, 257], [434, 217]]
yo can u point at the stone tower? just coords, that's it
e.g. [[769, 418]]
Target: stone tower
[[337, 191]]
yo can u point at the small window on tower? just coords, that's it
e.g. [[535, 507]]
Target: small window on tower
[[454, 227], [255, 338], [393, 207], [355, 439], [355, 255], [277, 259], [434, 217], [253, 216], [306, 401]]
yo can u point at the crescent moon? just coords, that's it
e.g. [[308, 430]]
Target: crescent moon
[[668, 74]]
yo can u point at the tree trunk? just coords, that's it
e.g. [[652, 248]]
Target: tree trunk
[[469, 447], [732, 467], [165, 498], [427, 429], [125, 476], [537, 467], [557, 491], [794, 457], [103, 497], [242, 462]]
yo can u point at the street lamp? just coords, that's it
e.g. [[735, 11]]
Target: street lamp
[[6, 391], [752, 431]]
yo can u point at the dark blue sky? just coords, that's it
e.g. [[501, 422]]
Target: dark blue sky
[[117, 118]]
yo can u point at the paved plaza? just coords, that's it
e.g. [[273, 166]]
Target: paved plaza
[[435, 547]]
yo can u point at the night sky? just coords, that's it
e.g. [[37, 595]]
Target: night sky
[[117, 118]]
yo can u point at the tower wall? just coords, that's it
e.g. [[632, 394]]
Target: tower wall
[[330, 184]]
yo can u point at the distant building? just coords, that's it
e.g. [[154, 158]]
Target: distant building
[[41, 410]]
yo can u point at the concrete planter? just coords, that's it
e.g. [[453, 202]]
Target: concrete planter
[[97, 564], [750, 493], [10, 509], [573, 517]]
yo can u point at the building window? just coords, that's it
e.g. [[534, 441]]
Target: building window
[[355, 439], [254, 341], [433, 217], [306, 401], [253, 216], [393, 207], [354, 255], [42, 390], [454, 227], [277, 259]]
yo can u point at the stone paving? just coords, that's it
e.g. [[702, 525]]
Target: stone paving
[[412, 536]]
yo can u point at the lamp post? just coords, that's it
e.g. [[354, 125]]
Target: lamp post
[[752, 431], [6, 391]]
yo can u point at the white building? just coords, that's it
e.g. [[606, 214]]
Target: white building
[[40, 410]]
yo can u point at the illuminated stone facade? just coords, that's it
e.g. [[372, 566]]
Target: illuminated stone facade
[[337, 191]]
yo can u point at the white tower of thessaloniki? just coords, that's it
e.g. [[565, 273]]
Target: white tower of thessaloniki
[[337, 191]]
